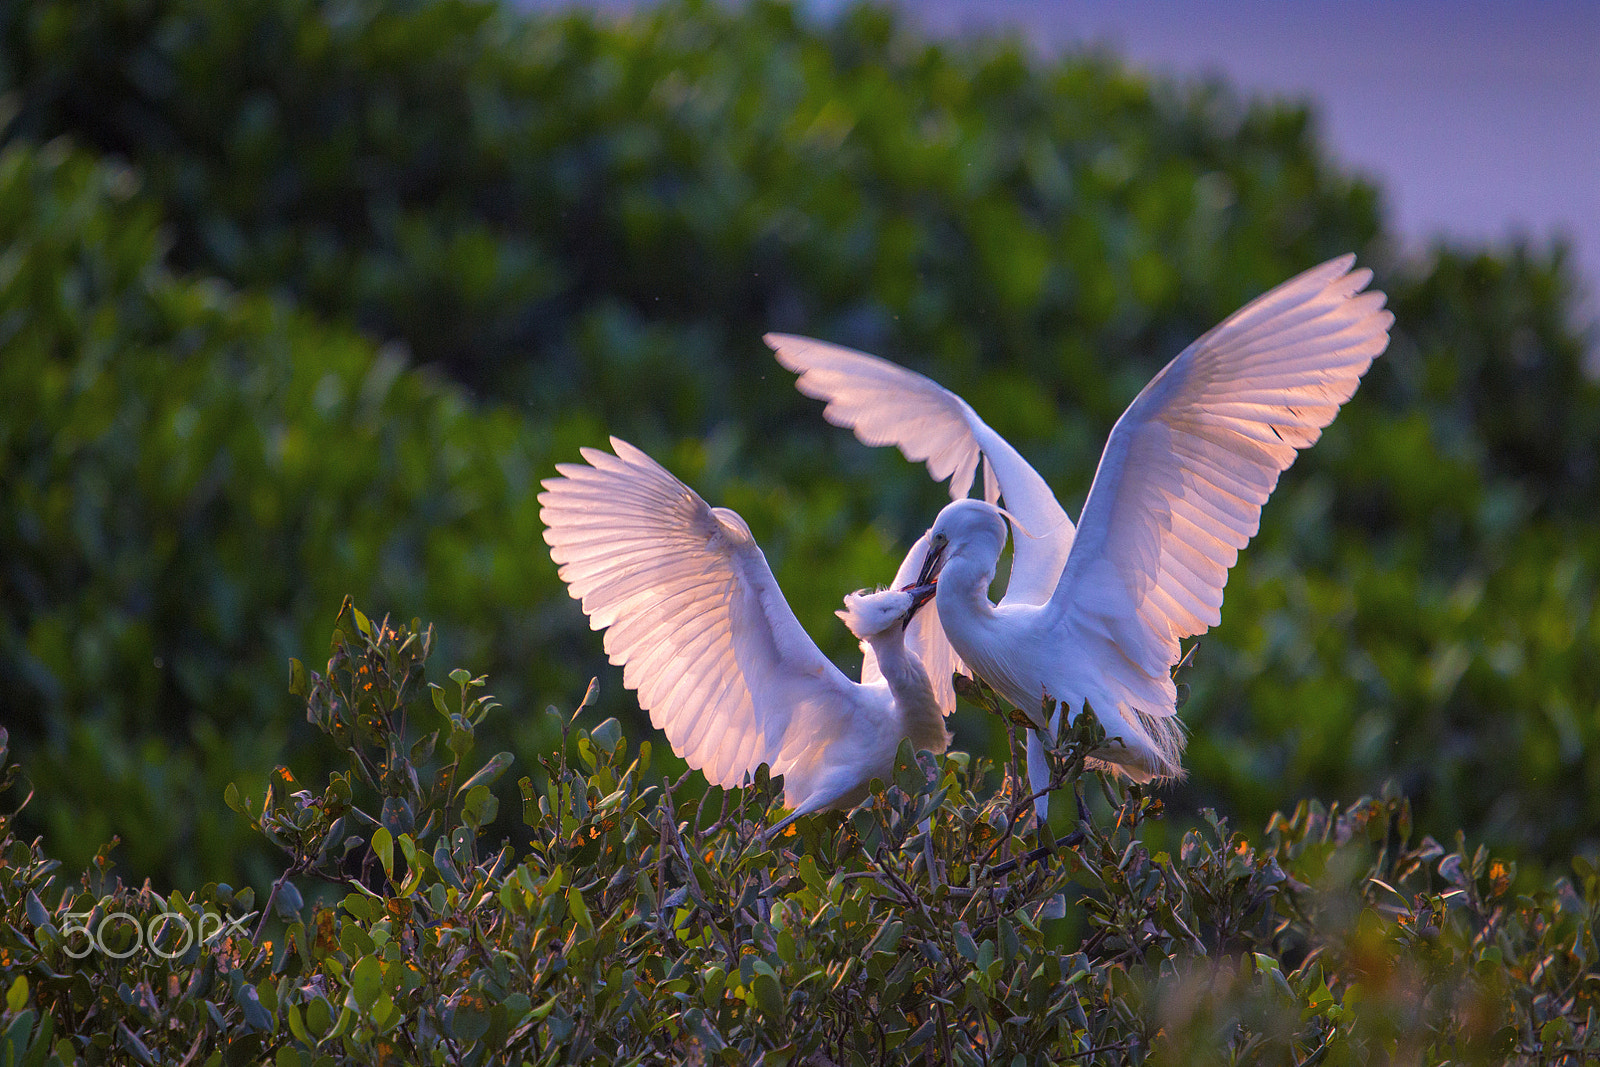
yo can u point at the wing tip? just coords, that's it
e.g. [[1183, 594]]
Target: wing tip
[[787, 349]]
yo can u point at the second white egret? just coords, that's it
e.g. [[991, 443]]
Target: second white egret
[[1095, 614], [695, 618]]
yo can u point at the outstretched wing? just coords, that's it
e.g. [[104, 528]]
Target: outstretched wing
[[885, 404], [1188, 466], [691, 611]]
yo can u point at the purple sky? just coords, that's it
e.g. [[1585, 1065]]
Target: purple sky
[[1479, 119]]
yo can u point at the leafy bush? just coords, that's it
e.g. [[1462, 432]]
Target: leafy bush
[[589, 225], [644, 920], [187, 476]]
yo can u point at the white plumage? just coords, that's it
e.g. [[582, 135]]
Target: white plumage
[[1096, 613], [695, 618]]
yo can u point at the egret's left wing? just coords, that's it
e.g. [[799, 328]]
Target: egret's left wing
[[691, 611], [1188, 466]]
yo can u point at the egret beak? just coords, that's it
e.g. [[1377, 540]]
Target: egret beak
[[920, 595], [932, 564]]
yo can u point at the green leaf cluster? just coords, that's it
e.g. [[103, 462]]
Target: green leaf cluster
[[641, 921]]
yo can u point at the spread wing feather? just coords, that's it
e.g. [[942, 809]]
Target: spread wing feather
[[691, 611], [1188, 466]]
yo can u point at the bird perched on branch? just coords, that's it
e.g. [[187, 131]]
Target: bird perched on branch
[[695, 618], [1095, 613]]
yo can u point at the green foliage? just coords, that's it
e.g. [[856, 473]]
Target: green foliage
[[589, 224], [517, 194], [255, 254], [644, 922], [187, 475]]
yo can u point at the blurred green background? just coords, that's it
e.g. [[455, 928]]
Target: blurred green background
[[301, 299]]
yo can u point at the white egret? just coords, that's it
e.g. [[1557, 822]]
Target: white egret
[[695, 618], [1095, 614]]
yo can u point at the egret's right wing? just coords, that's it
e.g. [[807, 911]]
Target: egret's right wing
[[924, 637], [691, 610], [886, 404], [1188, 466]]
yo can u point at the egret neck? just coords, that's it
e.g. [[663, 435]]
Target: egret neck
[[922, 720], [984, 635]]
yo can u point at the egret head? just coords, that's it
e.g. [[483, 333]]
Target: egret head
[[971, 529], [869, 614]]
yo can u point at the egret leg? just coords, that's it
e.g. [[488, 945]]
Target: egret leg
[[1038, 775], [929, 862], [1039, 778], [1039, 767]]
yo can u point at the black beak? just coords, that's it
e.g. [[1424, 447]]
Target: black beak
[[932, 564], [920, 595]]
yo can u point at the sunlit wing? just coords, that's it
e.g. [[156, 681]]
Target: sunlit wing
[[1188, 466], [886, 404], [691, 611]]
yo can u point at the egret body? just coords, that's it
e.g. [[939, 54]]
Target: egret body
[[1095, 613], [694, 617]]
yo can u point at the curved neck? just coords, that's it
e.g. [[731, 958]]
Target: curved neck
[[966, 612], [920, 715], [963, 591]]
